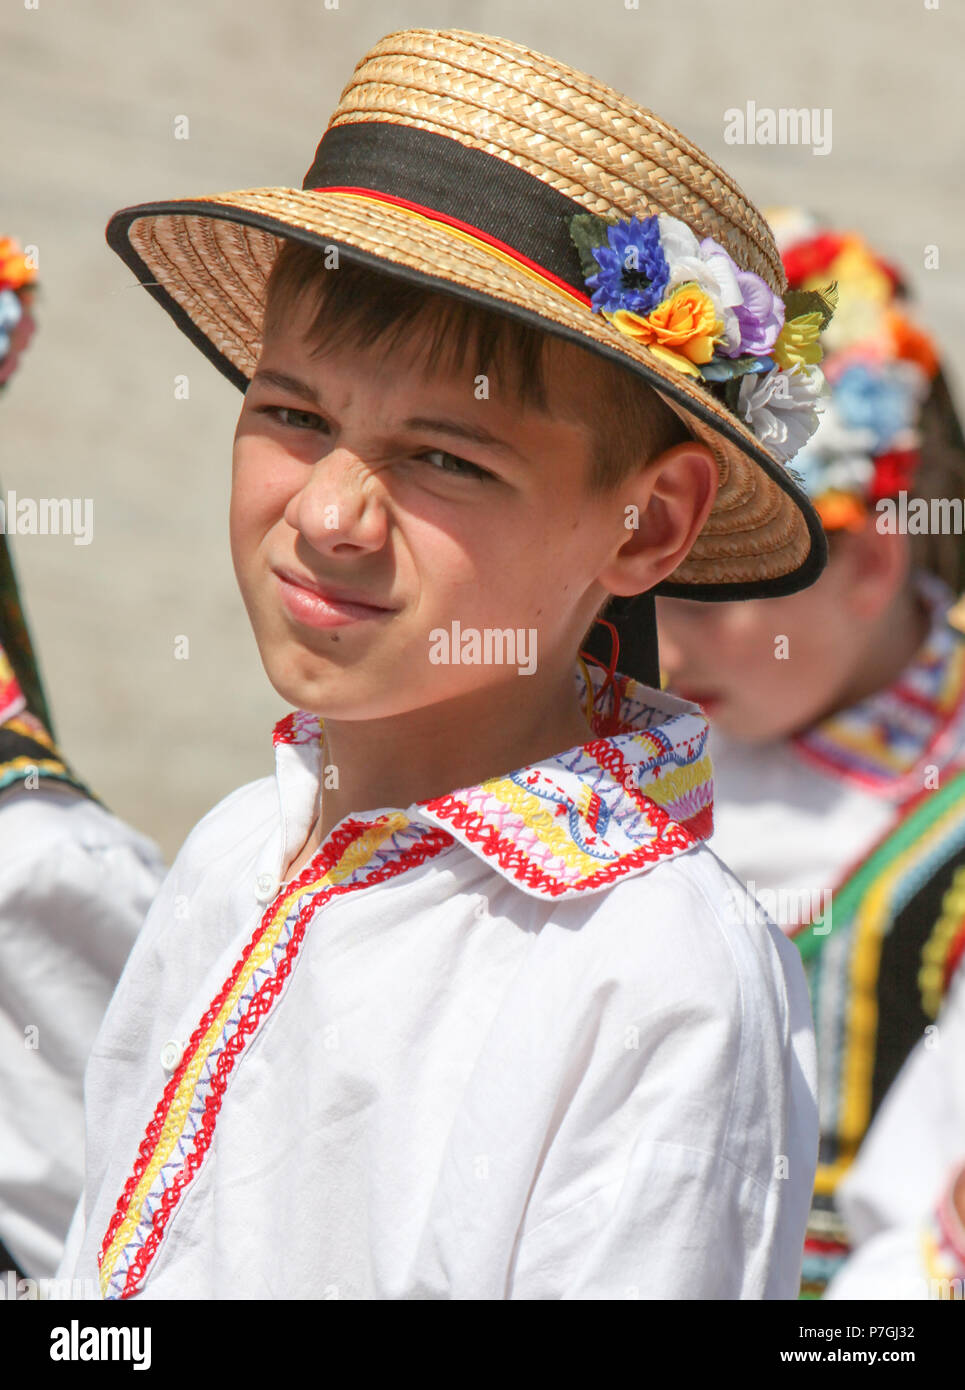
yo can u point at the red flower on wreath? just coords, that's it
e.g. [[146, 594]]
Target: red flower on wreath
[[811, 257], [894, 473]]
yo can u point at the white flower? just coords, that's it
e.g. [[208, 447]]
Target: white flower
[[707, 265], [782, 407], [791, 225]]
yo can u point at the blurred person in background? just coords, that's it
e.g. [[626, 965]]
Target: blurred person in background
[[75, 886], [838, 713], [904, 1197]]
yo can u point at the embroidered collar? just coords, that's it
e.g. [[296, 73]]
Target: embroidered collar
[[886, 741], [639, 791]]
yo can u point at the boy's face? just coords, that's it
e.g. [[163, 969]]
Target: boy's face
[[347, 495], [759, 668], [768, 668]]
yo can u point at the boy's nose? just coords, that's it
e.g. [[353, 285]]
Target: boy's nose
[[340, 504]]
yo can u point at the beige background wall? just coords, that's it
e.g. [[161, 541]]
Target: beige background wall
[[89, 93]]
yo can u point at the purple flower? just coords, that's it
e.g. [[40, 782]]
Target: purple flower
[[760, 316], [633, 270]]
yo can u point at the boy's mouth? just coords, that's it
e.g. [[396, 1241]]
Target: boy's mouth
[[309, 602]]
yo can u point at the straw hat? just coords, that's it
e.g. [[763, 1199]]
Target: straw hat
[[457, 160]]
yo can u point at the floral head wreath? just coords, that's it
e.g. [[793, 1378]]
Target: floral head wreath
[[878, 363], [17, 287], [696, 310]]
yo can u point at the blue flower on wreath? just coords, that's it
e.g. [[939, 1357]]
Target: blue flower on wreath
[[876, 400], [10, 312], [633, 270]]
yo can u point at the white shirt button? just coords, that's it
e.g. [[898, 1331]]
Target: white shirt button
[[266, 886], [171, 1054]]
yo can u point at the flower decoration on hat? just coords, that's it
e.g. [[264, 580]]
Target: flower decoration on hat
[[879, 365], [698, 312], [17, 284]]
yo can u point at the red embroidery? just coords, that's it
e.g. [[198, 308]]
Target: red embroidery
[[432, 843], [670, 837], [955, 954], [285, 730]]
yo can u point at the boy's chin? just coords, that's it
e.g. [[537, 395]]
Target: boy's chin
[[329, 689], [321, 693]]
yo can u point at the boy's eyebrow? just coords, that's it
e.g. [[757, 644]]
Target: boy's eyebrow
[[477, 434]]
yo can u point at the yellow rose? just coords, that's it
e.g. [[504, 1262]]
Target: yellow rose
[[681, 331], [798, 342]]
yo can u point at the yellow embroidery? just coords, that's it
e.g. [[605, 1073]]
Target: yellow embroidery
[[931, 976], [41, 764], [873, 745], [544, 825], [862, 1023], [673, 783], [30, 727], [355, 855]]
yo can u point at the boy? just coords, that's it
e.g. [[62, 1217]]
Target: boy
[[838, 715], [459, 1005]]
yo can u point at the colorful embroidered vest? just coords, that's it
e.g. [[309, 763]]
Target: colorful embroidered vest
[[878, 965], [28, 754]]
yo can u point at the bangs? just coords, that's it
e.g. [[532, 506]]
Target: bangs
[[351, 305]]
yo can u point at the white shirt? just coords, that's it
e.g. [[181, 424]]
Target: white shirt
[[897, 1196], [75, 886], [526, 1041]]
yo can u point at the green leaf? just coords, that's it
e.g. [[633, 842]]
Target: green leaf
[[587, 230], [732, 390], [823, 302]]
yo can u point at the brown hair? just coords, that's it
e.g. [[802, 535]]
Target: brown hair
[[630, 423]]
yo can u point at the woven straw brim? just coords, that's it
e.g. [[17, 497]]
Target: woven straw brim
[[207, 260]]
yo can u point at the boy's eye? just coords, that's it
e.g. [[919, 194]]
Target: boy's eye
[[461, 464], [281, 411]]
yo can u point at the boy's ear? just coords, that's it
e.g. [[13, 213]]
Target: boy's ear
[[666, 505], [877, 565]]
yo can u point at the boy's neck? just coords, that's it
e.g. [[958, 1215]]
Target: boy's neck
[[434, 750]]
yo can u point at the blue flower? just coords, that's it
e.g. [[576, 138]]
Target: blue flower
[[726, 368], [633, 270], [10, 311], [881, 401]]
